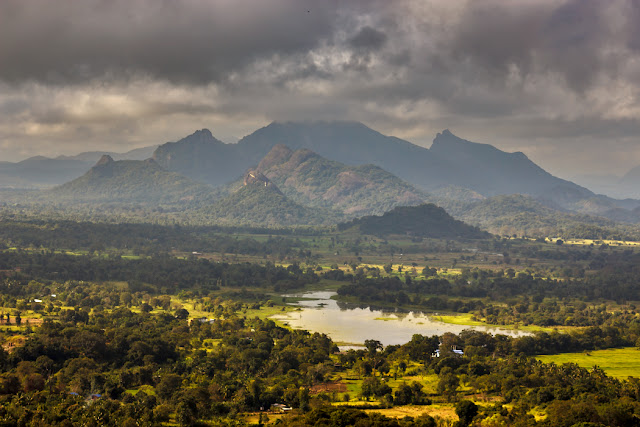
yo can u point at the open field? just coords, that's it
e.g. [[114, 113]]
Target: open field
[[589, 242], [436, 410], [616, 362], [468, 320]]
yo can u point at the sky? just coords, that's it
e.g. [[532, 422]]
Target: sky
[[556, 79]]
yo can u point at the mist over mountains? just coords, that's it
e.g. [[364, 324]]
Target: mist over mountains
[[618, 186], [42, 172]]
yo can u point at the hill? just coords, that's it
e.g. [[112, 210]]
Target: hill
[[312, 180], [44, 172], [202, 157], [129, 181], [260, 203], [426, 220], [523, 215]]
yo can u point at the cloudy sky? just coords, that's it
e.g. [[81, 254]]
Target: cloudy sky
[[556, 79]]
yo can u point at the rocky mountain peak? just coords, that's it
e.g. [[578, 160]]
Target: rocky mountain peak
[[446, 137], [279, 154], [203, 133], [258, 179], [105, 159]]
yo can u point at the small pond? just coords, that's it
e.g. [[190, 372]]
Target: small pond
[[350, 325]]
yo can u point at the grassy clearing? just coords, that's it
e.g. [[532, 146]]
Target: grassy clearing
[[429, 381], [459, 319], [444, 411], [211, 342], [589, 242], [13, 342], [538, 413], [254, 418], [265, 312], [190, 306], [466, 319], [147, 389], [616, 362]]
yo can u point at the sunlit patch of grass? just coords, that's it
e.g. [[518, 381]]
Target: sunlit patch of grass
[[147, 389], [254, 418], [538, 413], [211, 343], [265, 312], [445, 411], [616, 362], [468, 320]]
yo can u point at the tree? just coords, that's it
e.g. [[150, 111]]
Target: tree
[[428, 272], [366, 390], [33, 382], [168, 385], [410, 394], [45, 365], [466, 410], [182, 314], [303, 398], [448, 383], [373, 346], [373, 386], [186, 412]]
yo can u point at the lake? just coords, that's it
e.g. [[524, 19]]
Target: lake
[[349, 325]]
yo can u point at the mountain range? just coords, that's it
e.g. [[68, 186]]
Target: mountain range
[[326, 172], [317, 190], [451, 161], [312, 180], [43, 172]]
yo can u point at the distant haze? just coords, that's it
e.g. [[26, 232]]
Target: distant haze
[[557, 80]]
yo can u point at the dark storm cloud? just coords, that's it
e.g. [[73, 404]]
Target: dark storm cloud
[[584, 127], [12, 107], [557, 71], [192, 41], [200, 42], [579, 39], [368, 39], [496, 35]]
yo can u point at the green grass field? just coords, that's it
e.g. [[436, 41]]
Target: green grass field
[[616, 362], [466, 319]]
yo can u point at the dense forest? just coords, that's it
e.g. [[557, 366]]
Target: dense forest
[[118, 367], [141, 324], [145, 239]]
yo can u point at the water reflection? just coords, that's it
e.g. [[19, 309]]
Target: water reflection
[[349, 324]]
